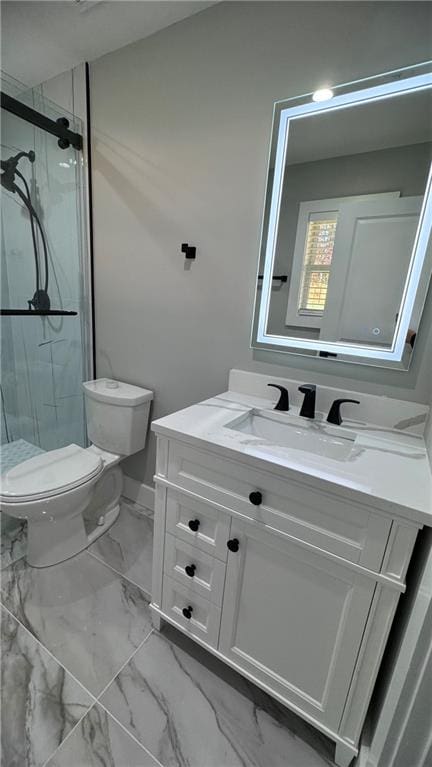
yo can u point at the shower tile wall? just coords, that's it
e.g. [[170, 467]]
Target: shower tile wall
[[44, 360]]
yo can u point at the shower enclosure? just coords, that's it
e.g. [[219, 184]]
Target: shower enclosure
[[46, 319]]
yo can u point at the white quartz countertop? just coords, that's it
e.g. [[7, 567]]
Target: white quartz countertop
[[387, 468]]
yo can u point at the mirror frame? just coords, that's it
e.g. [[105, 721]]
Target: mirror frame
[[388, 85]]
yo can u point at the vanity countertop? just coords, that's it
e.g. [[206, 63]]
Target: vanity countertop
[[387, 468]]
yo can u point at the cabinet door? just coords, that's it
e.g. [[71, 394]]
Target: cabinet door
[[294, 619]]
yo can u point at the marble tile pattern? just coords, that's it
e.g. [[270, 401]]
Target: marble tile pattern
[[91, 619], [387, 466], [188, 716], [41, 701], [13, 543], [127, 546], [87, 683], [384, 412], [98, 741]]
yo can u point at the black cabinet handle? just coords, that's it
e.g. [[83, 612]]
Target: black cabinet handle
[[187, 612], [233, 545], [194, 524], [190, 570], [255, 498]]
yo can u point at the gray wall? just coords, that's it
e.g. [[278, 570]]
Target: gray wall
[[182, 123], [402, 169]]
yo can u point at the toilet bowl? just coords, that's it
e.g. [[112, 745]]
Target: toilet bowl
[[56, 490]]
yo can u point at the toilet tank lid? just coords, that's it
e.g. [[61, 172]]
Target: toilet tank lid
[[116, 392]]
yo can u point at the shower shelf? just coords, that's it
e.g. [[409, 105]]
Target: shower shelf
[[36, 313]]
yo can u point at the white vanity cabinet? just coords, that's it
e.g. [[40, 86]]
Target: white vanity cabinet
[[293, 619], [293, 586]]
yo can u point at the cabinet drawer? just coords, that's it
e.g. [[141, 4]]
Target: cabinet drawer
[[212, 526], [341, 527], [205, 575], [204, 618]]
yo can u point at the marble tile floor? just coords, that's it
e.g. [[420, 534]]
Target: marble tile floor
[[41, 702], [87, 681], [13, 541], [99, 741], [127, 546]]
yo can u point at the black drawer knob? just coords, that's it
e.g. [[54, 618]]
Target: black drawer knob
[[190, 570], [187, 612], [233, 544], [256, 498], [194, 524]]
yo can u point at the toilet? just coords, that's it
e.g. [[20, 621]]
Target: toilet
[[56, 490]]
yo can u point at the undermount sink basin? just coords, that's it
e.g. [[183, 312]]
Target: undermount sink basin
[[291, 431]]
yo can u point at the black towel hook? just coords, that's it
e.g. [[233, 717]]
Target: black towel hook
[[188, 250]]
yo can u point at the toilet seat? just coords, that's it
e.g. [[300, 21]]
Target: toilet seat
[[50, 474]]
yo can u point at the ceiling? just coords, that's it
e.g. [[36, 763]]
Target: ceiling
[[368, 127], [42, 39]]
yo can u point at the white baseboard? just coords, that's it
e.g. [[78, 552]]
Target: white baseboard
[[138, 492]]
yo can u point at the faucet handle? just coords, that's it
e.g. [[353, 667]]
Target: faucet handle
[[283, 401], [305, 388], [307, 409], [334, 415]]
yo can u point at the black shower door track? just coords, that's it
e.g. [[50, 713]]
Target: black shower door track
[[60, 129], [57, 128]]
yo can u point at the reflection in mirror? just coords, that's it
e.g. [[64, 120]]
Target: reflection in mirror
[[344, 263]]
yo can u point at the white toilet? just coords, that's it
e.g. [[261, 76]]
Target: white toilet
[[53, 490]]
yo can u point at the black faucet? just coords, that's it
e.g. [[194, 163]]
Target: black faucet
[[308, 407], [283, 401], [334, 415]]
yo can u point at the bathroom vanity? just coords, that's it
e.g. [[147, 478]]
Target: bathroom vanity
[[282, 543]]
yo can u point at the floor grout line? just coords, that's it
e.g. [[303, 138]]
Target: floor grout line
[[53, 657], [41, 644], [94, 700], [51, 756], [122, 575], [125, 664], [129, 733]]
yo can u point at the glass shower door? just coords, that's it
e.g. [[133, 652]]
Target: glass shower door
[[44, 358]]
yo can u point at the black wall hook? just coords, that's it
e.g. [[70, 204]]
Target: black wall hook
[[188, 250]]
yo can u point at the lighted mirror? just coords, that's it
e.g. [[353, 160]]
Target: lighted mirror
[[345, 258]]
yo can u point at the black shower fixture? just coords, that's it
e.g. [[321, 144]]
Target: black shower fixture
[[59, 128], [40, 301], [9, 167]]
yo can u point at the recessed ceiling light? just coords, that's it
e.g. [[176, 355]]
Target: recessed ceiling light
[[322, 94]]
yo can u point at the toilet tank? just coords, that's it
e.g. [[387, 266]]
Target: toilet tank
[[117, 415]]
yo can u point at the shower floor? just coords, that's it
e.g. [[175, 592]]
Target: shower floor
[[13, 453], [87, 681]]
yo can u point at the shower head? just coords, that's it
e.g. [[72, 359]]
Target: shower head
[[9, 168]]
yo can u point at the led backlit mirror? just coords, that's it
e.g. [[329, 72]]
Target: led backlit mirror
[[345, 257]]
